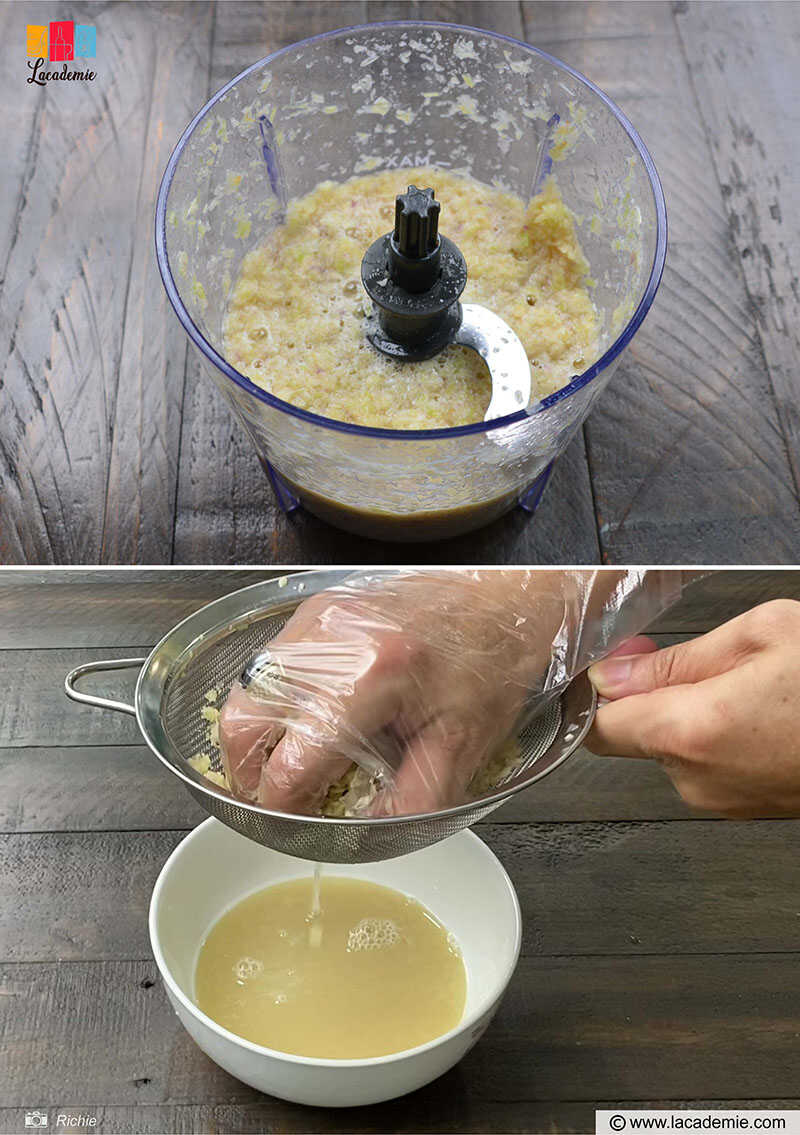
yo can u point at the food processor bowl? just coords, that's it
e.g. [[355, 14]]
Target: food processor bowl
[[393, 96]]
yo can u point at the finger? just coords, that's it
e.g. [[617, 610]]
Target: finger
[[639, 644], [716, 652], [329, 735], [300, 771], [650, 726], [438, 765], [335, 699], [245, 739]]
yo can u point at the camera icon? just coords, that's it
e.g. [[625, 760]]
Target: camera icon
[[36, 1118]]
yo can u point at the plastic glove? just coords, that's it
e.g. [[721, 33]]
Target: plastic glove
[[719, 713], [418, 678]]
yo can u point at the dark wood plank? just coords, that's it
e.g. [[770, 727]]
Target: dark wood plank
[[62, 318], [221, 487], [106, 608], [256, 1118], [61, 788], [274, 1115], [247, 31], [225, 512], [502, 16], [81, 257], [687, 453], [587, 787], [23, 114], [574, 1029], [674, 887], [679, 888], [35, 711], [22, 117], [143, 458], [79, 906], [721, 595], [111, 608], [743, 64]]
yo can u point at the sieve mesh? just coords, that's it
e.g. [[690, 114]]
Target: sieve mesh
[[215, 665], [219, 663]]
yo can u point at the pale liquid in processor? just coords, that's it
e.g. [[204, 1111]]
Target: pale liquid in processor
[[334, 967]]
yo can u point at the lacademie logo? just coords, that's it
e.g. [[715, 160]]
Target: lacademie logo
[[63, 42]]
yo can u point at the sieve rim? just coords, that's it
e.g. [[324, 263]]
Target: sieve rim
[[301, 585]]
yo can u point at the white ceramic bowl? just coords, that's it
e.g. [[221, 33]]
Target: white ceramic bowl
[[459, 880]]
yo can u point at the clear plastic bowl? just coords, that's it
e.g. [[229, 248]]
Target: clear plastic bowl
[[390, 95]]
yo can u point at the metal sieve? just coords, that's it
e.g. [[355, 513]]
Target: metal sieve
[[210, 649]]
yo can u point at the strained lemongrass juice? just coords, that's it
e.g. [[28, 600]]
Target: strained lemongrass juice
[[372, 972], [315, 926]]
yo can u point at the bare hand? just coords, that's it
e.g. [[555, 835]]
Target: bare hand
[[721, 713]]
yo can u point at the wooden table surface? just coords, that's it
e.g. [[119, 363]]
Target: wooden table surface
[[113, 447], [660, 956]]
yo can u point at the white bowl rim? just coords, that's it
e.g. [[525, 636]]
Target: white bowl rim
[[465, 1023]]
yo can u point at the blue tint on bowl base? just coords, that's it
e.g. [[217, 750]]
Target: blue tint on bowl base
[[530, 498], [285, 499], [288, 503]]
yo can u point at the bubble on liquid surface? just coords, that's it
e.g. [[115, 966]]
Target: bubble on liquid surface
[[453, 944], [373, 934], [247, 968]]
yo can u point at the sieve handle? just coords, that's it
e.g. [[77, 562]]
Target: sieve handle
[[93, 668]]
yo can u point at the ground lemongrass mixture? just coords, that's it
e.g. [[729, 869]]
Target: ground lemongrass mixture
[[352, 794], [295, 322]]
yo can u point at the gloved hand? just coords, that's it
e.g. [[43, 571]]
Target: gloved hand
[[418, 678], [720, 713]]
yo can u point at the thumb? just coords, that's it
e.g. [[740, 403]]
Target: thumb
[[621, 674], [686, 663], [300, 770], [649, 725], [246, 738], [435, 772]]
